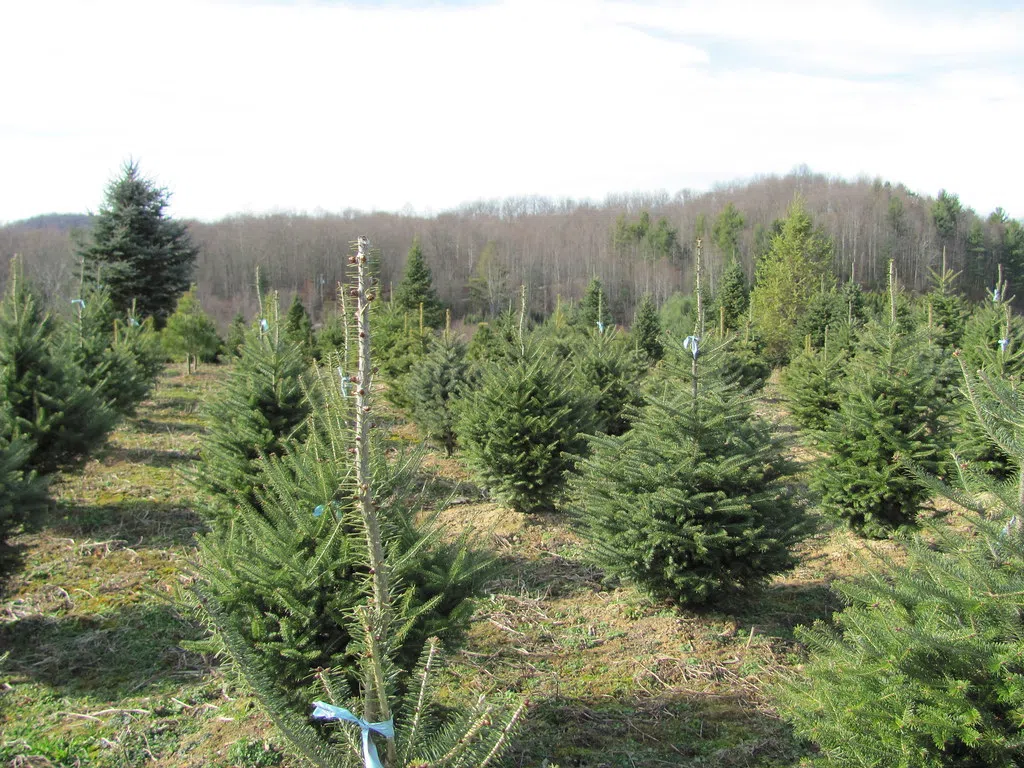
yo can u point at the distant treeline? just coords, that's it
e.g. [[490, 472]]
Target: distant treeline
[[482, 252]]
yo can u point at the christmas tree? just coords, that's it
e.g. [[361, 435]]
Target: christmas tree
[[924, 668], [436, 383], [646, 331], [49, 402], [331, 589], [22, 492], [692, 502], [190, 333], [611, 368], [299, 328], [415, 293], [522, 427], [891, 402], [257, 411]]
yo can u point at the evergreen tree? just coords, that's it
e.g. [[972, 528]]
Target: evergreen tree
[[811, 384], [923, 668], [787, 277], [22, 492], [726, 233], [891, 402], [948, 311], [646, 331], [257, 411], [436, 383], [49, 403], [733, 297], [299, 328], [417, 289], [993, 342], [190, 333], [236, 335], [119, 361], [825, 310], [136, 250], [332, 587], [522, 427], [593, 310], [612, 369], [692, 502]]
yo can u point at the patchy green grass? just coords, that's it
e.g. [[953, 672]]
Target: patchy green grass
[[98, 674]]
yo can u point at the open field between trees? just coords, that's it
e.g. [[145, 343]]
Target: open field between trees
[[99, 672]]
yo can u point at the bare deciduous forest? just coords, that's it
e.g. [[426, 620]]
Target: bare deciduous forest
[[482, 252]]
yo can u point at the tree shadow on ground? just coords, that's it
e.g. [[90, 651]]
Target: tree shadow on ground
[[148, 522], [163, 427], [777, 609], [147, 456], [111, 655], [673, 729]]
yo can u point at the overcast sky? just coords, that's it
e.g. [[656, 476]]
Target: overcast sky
[[257, 105]]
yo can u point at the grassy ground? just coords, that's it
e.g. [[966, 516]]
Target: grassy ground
[[97, 674]]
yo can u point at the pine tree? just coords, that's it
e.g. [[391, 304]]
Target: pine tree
[[416, 289], [924, 667], [436, 383], [692, 502], [190, 333], [891, 402], [257, 412], [50, 404], [299, 328], [136, 250], [331, 589], [733, 297], [646, 331], [522, 427]]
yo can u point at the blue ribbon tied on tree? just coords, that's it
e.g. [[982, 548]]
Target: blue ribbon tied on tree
[[690, 343], [1003, 344], [371, 759]]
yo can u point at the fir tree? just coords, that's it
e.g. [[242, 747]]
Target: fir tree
[[299, 328], [136, 250], [891, 401], [593, 310], [416, 290], [788, 275], [733, 297], [119, 360], [646, 331], [22, 492], [923, 668], [331, 589], [692, 502], [50, 404], [190, 333], [947, 309], [236, 335], [259, 408], [993, 342], [609, 366], [811, 384], [436, 383], [523, 426]]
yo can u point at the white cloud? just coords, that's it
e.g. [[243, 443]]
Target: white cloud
[[237, 106]]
